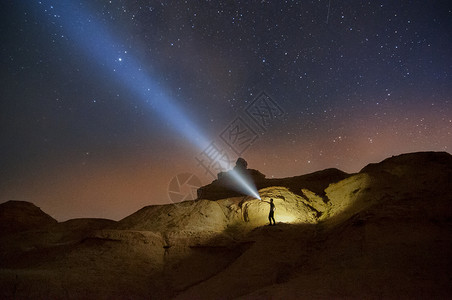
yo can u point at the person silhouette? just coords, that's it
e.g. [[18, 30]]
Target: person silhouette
[[271, 215]]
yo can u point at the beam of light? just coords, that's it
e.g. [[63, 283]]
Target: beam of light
[[246, 183], [100, 46]]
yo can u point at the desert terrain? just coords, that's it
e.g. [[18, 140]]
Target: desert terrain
[[384, 232]]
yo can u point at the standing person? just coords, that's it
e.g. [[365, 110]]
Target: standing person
[[271, 215]]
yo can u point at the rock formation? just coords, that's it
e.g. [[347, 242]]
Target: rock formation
[[16, 216], [223, 187], [381, 233]]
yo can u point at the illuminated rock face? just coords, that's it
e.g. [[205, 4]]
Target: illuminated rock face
[[205, 218], [290, 208]]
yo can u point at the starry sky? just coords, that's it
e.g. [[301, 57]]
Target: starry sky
[[104, 103]]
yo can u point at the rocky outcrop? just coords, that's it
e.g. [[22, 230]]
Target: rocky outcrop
[[225, 186]]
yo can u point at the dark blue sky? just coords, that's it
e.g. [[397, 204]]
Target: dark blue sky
[[355, 82]]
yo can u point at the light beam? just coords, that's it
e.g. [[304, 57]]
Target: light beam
[[99, 45], [250, 188]]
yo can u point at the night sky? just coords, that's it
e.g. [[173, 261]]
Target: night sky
[[104, 103]]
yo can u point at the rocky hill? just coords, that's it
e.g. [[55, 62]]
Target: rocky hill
[[18, 216], [384, 232]]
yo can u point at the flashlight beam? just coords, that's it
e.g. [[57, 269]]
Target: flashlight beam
[[102, 48]]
